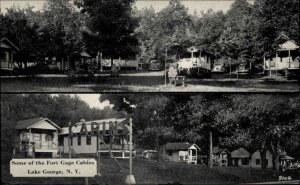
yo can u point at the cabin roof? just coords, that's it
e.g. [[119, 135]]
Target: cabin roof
[[217, 150], [4, 39], [240, 153], [288, 43], [76, 128], [180, 146], [26, 124], [85, 54]]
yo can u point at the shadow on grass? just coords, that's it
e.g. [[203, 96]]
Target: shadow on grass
[[132, 83]]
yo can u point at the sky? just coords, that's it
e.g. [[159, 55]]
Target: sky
[[192, 5], [93, 100]]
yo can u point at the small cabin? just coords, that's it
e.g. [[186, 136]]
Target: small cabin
[[240, 157], [7, 54], [220, 156], [199, 63], [113, 140], [37, 137], [181, 152], [256, 160], [286, 57]]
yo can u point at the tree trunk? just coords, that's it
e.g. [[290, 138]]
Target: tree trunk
[[275, 155], [210, 162], [111, 62], [263, 152], [25, 64]]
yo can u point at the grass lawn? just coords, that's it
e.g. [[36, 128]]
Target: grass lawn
[[151, 172], [144, 82]]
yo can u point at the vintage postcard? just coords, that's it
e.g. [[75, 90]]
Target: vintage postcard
[[150, 139], [150, 92], [149, 46]]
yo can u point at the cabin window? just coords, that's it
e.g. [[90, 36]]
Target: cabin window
[[245, 162], [117, 140], [4, 57], [170, 153], [106, 139], [257, 161], [266, 162], [181, 158], [79, 140], [36, 137], [88, 140]]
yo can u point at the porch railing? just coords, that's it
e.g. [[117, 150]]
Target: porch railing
[[192, 158], [47, 145], [114, 147]]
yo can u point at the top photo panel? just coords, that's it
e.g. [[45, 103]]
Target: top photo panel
[[149, 46]]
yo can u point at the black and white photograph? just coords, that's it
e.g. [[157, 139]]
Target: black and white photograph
[[175, 92], [150, 45], [155, 138]]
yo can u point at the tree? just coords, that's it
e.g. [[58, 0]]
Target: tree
[[168, 30], [16, 27], [110, 27], [275, 17], [207, 30], [237, 39], [60, 31], [266, 121]]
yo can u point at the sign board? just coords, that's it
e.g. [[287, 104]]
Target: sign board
[[85, 167]]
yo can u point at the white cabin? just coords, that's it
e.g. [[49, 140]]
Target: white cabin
[[37, 137], [117, 144], [181, 152], [287, 57]]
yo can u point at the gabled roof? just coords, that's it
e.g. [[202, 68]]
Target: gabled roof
[[3, 39], [76, 128], [85, 54], [217, 150], [180, 146], [26, 124], [240, 153], [288, 43]]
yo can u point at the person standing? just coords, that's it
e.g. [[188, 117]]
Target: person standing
[[173, 73]]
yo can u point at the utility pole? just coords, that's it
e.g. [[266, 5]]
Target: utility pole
[[210, 162], [99, 148]]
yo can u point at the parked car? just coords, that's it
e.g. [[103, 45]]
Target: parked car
[[218, 68], [155, 65], [149, 154], [243, 69]]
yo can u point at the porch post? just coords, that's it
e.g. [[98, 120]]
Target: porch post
[[276, 62], [264, 63], [56, 143], [289, 58], [196, 156]]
